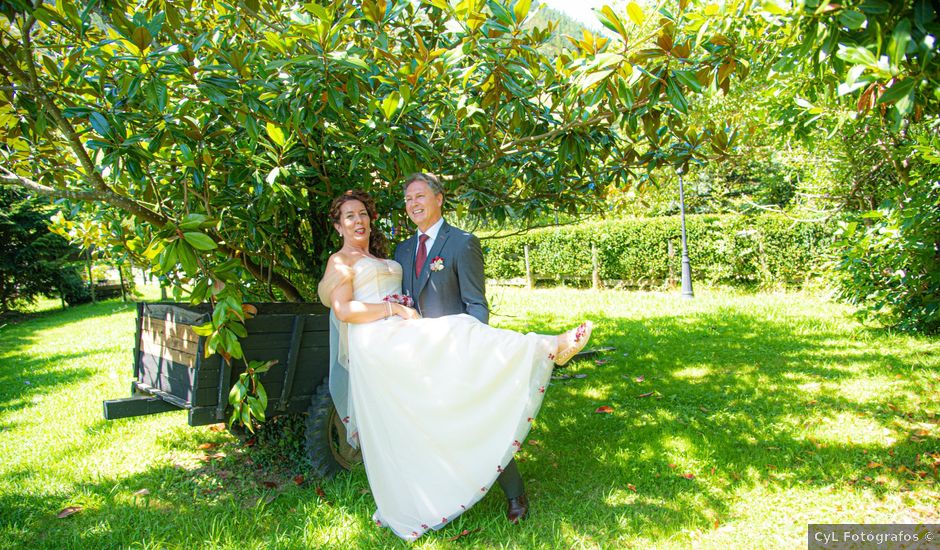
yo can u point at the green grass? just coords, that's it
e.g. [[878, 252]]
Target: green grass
[[783, 410]]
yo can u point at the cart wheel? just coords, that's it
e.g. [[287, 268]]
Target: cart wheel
[[327, 447]]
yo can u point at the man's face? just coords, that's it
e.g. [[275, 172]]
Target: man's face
[[423, 205]]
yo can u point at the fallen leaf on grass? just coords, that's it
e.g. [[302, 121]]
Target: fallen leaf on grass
[[688, 476], [673, 466], [322, 495], [364, 491], [208, 446], [269, 484], [463, 533], [68, 511], [874, 464], [640, 379], [600, 361], [703, 409], [299, 479], [604, 409], [217, 428], [631, 486], [142, 492], [580, 376], [534, 442], [642, 395]]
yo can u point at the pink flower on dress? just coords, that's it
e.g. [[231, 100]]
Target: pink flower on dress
[[437, 263], [542, 389], [517, 444], [425, 526], [499, 469], [345, 420]]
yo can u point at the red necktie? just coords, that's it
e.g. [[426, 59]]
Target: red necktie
[[422, 253]]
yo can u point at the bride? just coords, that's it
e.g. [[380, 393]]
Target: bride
[[438, 406]]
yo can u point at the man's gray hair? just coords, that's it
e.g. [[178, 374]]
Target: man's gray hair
[[430, 179]]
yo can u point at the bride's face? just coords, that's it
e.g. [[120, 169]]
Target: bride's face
[[353, 223]]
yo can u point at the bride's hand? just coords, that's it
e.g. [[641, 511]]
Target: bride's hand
[[406, 312]]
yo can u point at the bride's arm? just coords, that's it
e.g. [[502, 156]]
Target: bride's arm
[[341, 299]]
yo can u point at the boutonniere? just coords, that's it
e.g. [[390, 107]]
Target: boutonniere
[[437, 263]]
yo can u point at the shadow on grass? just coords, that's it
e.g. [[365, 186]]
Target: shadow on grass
[[710, 404], [706, 408], [24, 373]]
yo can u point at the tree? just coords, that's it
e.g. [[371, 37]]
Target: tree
[[210, 139], [33, 261]]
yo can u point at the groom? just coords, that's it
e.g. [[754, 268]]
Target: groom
[[443, 273]]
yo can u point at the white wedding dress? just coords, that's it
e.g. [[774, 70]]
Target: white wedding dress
[[438, 406]]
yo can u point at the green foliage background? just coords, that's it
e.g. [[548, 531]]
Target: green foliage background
[[768, 251]]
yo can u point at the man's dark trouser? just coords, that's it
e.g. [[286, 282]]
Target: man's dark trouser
[[511, 481]]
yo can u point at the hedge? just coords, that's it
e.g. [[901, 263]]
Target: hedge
[[765, 250]]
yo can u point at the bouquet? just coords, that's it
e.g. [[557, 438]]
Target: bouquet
[[399, 299]]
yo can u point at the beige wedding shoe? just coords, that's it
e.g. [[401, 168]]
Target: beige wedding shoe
[[575, 340]]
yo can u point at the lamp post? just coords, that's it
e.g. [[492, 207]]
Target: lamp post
[[686, 265]]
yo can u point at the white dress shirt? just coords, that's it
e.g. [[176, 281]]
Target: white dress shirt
[[432, 236]]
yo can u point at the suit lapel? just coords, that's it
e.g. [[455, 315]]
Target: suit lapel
[[422, 278]]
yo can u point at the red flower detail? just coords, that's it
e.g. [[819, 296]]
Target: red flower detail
[[378, 522], [499, 469], [551, 356], [482, 489], [542, 389], [414, 534], [443, 520], [530, 419], [345, 420], [424, 526], [578, 334], [517, 444], [399, 299]]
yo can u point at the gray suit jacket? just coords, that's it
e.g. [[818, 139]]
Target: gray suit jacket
[[458, 287]]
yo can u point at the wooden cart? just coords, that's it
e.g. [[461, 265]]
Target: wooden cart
[[171, 372]]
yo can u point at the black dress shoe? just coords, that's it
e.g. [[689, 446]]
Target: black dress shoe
[[517, 509]]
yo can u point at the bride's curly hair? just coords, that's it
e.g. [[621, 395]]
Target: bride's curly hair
[[378, 244]]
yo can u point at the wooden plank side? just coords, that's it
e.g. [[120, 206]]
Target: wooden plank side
[[155, 366], [177, 313], [155, 349], [263, 324], [169, 329], [171, 342]]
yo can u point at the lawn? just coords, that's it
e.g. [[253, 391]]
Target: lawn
[[737, 419]]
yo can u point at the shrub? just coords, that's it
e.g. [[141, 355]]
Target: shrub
[[765, 250], [889, 258]]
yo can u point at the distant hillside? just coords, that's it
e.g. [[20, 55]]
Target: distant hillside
[[566, 26]]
